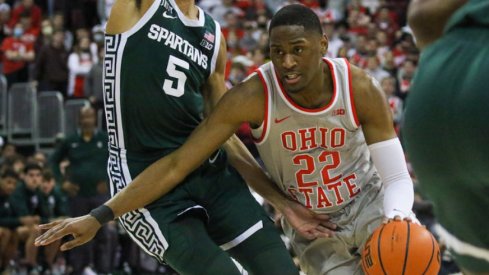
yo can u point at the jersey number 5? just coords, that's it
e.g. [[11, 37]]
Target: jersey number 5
[[181, 77]]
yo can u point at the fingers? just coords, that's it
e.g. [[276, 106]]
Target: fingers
[[77, 241], [53, 234], [49, 225], [328, 225], [322, 217]]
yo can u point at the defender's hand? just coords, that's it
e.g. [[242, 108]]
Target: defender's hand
[[83, 229], [308, 224]]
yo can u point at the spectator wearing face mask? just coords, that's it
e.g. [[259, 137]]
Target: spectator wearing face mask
[[17, 54], [31, 9]]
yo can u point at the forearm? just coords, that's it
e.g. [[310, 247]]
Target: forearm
[[389, 160], [154, 182], [243, 161]]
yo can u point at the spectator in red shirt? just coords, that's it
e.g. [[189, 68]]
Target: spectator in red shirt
[[34, 11], [17, 53]]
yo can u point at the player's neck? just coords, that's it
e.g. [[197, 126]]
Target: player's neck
[[319, 91], [188, 8]]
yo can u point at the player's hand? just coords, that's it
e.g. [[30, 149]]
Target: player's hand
[[83, 229], [308, 224], [410, 218]]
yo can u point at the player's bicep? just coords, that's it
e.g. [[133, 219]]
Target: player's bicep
[[373, 111]]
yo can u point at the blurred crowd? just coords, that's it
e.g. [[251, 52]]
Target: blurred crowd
[[57, 45]]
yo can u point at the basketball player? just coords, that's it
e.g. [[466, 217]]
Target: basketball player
[[317, 122], [446, 124], [164, 68]]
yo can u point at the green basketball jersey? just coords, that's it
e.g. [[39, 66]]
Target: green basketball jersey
[[153, 75], [445, 129]]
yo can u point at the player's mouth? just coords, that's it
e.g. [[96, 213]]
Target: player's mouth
[[292, 78]]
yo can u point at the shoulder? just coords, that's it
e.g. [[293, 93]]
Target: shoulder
[[367, 93]]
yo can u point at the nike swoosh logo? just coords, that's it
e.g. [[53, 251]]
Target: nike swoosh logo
[[280, 120], [168, 16], [213, 159]]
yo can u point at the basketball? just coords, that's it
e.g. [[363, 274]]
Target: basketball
[[401, 247]]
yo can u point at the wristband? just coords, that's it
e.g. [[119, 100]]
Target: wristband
[[103, 214]]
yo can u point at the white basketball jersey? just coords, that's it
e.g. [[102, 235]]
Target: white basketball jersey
[[318, 157]]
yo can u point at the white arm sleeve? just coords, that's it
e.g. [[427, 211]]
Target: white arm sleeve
[[388, 158]]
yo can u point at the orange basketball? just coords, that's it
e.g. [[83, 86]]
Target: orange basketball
[[401, 247]]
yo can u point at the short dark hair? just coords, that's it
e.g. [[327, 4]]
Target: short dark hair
[[297, 15], [32, 166], [9, 173], [47, 175]]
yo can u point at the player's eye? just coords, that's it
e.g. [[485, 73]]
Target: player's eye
[[298, 50]]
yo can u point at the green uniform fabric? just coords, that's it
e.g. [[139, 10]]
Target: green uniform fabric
[[8, 217], [88, 161], [26, 202], [154, 70], [54, 204], [446, 127]]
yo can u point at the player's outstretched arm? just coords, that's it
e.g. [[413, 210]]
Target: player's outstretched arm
[[163, 175]]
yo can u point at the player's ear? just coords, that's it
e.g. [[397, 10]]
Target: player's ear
[[324, 44]]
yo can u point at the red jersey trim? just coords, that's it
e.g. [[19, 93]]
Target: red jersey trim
[[265, 119], [307, 110], [350, 86]]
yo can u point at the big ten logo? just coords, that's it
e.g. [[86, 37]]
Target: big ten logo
[[206, 44], [339, 112]]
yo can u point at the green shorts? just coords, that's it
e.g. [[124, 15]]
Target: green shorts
[[215, 191]]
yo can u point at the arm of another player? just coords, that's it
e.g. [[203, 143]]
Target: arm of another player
[[163, 175], [385, 149], [427, 18], [306, 222]]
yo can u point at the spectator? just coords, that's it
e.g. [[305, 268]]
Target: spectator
[[26, 204], [334, 41], [45, 35], [103, 9], [17, 53], [388, 85], [4, 18], [59, 25], [223, 9], [8, 220], [51, 70], [85, 183], [404, 78], [32, 10], [94, 82], [374, 69], [80, 62]]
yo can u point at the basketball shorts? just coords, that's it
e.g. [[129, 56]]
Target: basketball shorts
[[215, 192], [341, 254]]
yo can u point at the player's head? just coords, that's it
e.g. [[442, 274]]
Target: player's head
[[297, 44]]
